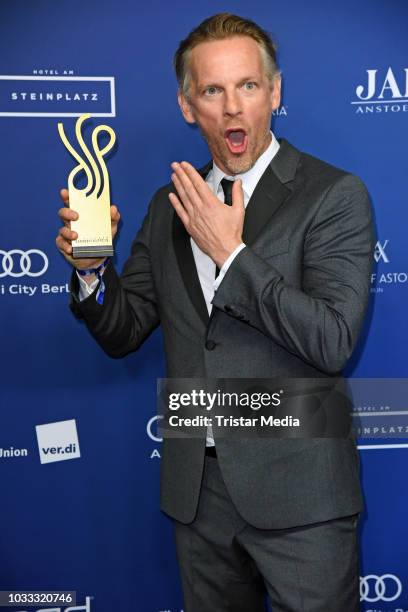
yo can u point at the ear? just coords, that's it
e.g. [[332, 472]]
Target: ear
[[185, 107], [276, 93]]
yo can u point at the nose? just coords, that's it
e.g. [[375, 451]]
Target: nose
[[232, 103]]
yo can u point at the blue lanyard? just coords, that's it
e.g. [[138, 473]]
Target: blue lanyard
[[98, 272]]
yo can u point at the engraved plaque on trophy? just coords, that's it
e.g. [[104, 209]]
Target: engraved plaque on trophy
[[92, 203]]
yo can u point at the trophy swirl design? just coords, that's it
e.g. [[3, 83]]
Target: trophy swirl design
[[92, 202]]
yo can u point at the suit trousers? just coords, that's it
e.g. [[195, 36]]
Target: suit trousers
[[227, 565]]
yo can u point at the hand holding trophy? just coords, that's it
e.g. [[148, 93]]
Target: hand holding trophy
[[90, 222]]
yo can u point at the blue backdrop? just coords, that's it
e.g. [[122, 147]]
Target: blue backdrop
[[87, 517]]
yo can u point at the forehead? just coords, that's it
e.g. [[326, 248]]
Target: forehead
[[231, 58]]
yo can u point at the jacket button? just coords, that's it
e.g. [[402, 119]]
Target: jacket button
[[210, 345]]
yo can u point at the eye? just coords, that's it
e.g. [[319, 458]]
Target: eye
[[210, 91], [249, 86]]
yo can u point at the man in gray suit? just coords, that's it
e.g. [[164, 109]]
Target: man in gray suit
[[275, 284]]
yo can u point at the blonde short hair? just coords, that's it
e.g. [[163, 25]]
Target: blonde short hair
[[219, 27]]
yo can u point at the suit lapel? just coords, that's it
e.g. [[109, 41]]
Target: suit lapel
[[271, 191], [267, 197], [186, 262]]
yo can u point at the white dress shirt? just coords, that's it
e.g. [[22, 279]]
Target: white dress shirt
[[204, 263]]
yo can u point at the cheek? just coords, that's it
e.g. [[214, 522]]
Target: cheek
[[212, 128], [262, 120], [206, 118], [210, 112], [257, 112]]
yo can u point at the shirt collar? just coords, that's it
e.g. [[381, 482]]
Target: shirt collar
[[250, 178]]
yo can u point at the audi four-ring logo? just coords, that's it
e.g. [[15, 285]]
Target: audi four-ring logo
[[380, 588], [19, 263]]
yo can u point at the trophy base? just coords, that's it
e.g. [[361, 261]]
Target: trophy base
[[92, 252]]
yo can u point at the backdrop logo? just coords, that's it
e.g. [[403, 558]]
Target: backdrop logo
[[17, 263], [13, 452], [56, 96], [149, 429], [379, 252], [281, 111], [380, 588], [58, 441], [383, 278], [382, 92]]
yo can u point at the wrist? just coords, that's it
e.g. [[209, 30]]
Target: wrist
[[94, 271], [90, 275], [83, 265], [221, 258]]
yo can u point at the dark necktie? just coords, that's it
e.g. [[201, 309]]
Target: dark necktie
[[226, 185]]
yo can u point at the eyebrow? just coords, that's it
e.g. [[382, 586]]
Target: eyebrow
[[215, 84]]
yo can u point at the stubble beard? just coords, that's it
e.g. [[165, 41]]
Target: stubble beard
[[238, 163]]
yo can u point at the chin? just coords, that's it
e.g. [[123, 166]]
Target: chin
[[238, 166]]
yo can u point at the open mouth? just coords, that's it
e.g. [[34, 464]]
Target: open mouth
[[237, 140]]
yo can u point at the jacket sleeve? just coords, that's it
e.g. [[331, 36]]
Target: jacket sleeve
[[129, 311], [320, 321]]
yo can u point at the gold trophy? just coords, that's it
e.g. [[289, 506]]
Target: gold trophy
[[92, 203]]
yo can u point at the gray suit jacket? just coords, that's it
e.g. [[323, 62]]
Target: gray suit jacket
[[291, 305]]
